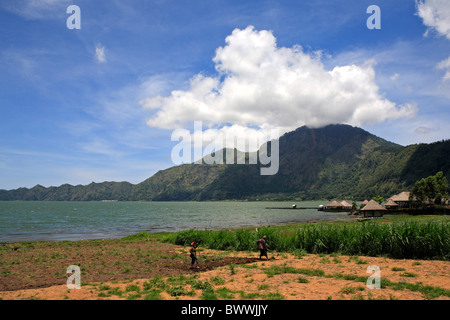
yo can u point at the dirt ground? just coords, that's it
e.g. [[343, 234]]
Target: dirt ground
[[153, 270], [44, 264]]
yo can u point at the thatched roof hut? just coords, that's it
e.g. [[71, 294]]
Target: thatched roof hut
[[373, 209], [391, 204], [346, 204], [402, 199], [334, 205]]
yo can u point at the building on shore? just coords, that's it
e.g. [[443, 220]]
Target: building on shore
[[347, 206], [364, 203], [373, 209], [334, 206], [402, 199], [391, 205]]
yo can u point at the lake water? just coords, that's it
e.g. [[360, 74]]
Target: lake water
[[56, 221]]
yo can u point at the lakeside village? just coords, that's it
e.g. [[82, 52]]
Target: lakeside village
[[402, 203], [428, 196]]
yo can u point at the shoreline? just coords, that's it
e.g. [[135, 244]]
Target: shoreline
[[347, 220], [60, 238]]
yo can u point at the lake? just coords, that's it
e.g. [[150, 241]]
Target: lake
[[57, 221]]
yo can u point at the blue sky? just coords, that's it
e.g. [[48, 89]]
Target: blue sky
[[100, 103]]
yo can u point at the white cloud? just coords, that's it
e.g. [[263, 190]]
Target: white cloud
[[261, 85], [422, 130], [445, 65], [23, 63], [435, 15], [395, 77], [100, 54], [98, 146], [37, 9]]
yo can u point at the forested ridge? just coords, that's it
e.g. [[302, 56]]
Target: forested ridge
[[336, 161]]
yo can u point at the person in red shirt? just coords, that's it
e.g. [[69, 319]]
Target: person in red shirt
[[193, 255]]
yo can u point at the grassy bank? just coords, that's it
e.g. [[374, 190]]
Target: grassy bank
[[400, 239]]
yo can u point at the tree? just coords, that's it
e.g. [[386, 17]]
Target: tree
[[430, 189], [418, 194], [442, 187], [378, 199]]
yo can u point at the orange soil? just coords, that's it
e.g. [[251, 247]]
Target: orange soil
[[253, 279]]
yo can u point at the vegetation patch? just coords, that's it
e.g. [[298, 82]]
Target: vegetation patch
[[399, 239]]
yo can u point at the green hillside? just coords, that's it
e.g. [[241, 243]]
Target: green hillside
[[337, 161]]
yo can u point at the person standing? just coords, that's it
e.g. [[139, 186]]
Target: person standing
[[262, 246], [193, 255]]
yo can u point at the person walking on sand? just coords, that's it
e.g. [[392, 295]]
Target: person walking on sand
[[193, 255], [262, 246]]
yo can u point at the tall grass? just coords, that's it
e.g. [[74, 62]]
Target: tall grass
[[408, 239]]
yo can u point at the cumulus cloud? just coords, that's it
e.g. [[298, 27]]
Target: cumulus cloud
[[100, 54], [435, 15], [263, 86]]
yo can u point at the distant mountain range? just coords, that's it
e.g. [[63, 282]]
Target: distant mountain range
[[336, 161]]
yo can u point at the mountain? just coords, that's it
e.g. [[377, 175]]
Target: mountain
[[67, 192], [336, 161]]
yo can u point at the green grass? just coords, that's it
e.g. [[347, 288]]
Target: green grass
[[217, 280], [401, 239], [177, 286], [176, 291], [225, 293], [348, 289], [408, 274], [132, 287], [302, 280], [232, 269], [249, 296], [263, 286], [430, 292], [208, 292], [398, 269], [273, 296], [153, 295]]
